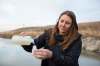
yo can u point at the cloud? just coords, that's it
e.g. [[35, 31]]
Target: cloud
[[7, 8], [45, 12]]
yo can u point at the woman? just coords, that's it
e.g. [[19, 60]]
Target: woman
[[62, 44]]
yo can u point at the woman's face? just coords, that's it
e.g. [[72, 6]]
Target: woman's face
[[64, 24]]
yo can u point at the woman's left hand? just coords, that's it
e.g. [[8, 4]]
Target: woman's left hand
[[42, 53]]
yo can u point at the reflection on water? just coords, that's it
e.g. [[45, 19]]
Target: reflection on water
[[14, 55], [87, 61]]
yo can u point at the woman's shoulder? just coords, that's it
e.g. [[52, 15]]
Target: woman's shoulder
[[48, 30], [78, 36], [45, 34]]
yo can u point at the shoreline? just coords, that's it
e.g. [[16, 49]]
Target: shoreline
[[94, 55]]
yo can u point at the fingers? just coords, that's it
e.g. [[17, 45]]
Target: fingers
[[42, 53], [39, 54]]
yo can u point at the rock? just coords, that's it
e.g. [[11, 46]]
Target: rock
[[91, 44], [92, 48]]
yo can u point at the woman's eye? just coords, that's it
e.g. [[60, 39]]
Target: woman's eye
[[62, 21], [68, 23]]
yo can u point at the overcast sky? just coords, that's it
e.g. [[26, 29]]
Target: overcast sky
[[45, 12]]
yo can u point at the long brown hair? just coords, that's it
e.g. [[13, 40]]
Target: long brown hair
[[69, 36]]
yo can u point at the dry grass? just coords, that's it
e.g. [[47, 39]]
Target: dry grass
[[86, 29], [90, 29]]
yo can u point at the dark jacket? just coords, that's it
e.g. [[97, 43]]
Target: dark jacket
[[67, 57]]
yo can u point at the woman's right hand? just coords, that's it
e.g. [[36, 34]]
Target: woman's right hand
[[42, 53]]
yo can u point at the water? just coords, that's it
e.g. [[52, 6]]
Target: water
[[14, 55], [88, 61]]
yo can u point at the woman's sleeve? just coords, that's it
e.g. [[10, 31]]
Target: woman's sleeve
[[39, 42], [69, 56]]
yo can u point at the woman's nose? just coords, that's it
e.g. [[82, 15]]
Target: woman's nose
[[63, 24]]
